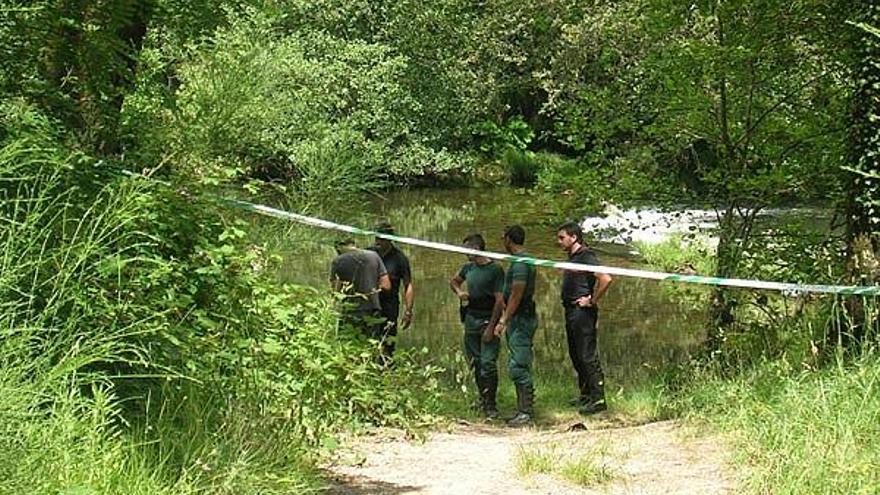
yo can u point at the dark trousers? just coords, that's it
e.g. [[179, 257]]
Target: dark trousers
[[580, 330], [387, 332], [481, 356], [520, 348]]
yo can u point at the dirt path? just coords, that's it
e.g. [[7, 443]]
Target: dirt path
[[584, 458]]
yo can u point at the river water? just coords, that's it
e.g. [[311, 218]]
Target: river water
[[642, 328]]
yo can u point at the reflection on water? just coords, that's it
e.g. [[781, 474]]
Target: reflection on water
[[640, 327]]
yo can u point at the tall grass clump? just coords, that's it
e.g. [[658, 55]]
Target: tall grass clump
[[801, 415], [521, 166], [799, 431], [679, 254], [800, 421], [585, 468], [146, 347], [61, 332]]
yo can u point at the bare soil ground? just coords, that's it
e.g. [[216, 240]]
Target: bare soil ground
[[654, 458]]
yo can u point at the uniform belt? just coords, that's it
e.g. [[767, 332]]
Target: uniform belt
[[571, 304]]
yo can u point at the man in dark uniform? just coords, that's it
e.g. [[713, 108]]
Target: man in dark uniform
[[400, 274], [360, 275], [581, 292], [483, 302], [520, 320]]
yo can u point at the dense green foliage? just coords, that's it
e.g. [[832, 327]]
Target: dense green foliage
[[134, 316], [136, 313], [771, 385]]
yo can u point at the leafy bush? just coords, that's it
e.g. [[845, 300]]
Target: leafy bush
[[418, 163], [496, 140], [584, 185], [135, 316], [521, 166], [323, 114]]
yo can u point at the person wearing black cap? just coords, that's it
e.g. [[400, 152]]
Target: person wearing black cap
[[581, 291], [397, 265]]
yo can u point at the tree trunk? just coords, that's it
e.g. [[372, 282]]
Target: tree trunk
[[92, 50], [863, 199]]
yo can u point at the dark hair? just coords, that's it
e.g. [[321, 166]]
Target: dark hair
[[516, 234], [476, 240], [572, 228], [384, 228], [344, 242]]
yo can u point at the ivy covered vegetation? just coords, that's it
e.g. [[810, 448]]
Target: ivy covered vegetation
[[145, 345]]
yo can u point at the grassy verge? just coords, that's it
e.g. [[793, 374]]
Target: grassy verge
[[554, 388], [798, 431], [797, 423]]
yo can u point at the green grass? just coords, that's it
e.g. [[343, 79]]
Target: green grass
[[798, 431], [59, 415], [585, 472], [522, 167], [554, 388], [584, 468], [796, 425], [675, 254], [139, 358]]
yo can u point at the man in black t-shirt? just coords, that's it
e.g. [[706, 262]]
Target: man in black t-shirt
[[581, 292], [397, 265]]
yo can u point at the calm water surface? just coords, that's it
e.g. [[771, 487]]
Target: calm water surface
[[641, 327]]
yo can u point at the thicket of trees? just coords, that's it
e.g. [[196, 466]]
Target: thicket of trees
[[740, 104]]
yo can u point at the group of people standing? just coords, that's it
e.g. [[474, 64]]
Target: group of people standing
[[372, 279], [494, 303]]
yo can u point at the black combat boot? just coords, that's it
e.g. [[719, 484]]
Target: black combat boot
[[478, 381], [593, 407], [487, 394], [595, 402], [525, 397], [584, 389]]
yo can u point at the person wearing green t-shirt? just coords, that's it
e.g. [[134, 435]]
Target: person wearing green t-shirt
[[481, 303], [520, 320]]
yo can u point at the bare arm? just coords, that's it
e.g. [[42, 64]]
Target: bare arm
[[409, 297], [517, 289], [455, 284], [603, 280], [497, 309], [385, 282]]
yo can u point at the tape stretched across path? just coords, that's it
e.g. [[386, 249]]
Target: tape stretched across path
[[786, 288]]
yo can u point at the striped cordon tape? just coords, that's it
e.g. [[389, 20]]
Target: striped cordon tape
[[786, 288]]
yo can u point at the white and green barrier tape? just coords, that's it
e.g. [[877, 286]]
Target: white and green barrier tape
[[786, 288]]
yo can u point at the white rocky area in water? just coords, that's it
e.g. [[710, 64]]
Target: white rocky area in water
[[650, 225], [653, 226]]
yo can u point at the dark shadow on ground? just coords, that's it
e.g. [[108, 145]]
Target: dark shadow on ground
[[362, 485]]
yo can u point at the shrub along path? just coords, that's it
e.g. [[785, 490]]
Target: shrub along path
[[596, 456]]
